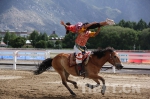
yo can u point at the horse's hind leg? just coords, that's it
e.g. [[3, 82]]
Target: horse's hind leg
[[73, 82], [93, 86], [64, 82]]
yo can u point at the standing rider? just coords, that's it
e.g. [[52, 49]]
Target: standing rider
[[83, 34]]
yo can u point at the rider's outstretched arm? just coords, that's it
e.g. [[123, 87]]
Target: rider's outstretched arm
[[88, 25], [94, 25], [62, 23], [98, 31]]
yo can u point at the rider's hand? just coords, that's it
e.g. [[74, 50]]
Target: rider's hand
[[62, 23]]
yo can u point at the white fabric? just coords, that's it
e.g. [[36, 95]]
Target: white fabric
[[78, 55], [110, 22]]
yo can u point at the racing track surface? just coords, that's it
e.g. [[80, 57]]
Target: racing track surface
[[22, 84]]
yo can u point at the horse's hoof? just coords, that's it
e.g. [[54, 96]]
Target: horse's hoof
[[76, 87], [103, 89], [73, 94], [102, 92], [87, 85], [36, 73]]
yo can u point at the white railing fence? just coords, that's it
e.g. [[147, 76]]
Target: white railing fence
[[16, 55]]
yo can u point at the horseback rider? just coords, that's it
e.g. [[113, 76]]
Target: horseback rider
[[83, 34]]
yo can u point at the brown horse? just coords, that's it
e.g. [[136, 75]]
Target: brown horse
[[96, 60]]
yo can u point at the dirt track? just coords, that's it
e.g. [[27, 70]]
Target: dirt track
[[25, 85]]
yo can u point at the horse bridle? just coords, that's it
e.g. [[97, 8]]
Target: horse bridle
[[112, 58]]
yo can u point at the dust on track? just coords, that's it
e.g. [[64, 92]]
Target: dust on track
[[21, 84]]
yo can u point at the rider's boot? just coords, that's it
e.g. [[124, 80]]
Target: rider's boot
[[81, 72]]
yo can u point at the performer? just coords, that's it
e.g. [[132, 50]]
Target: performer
[[83, 34], [82, 27]]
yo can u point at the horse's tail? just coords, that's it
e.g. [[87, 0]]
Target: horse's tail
[[45, 65]]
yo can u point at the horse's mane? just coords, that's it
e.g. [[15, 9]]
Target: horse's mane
[[101, 52]]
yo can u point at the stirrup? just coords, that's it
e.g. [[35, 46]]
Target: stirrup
[[81, 73]]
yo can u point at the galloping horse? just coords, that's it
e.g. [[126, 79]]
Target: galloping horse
[[96, 60]]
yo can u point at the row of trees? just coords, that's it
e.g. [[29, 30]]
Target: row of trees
[[13, 40], [133, 25], [44, 41], [115, 36], [124, 36], [37, 40]]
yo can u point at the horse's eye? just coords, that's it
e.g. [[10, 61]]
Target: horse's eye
[[115, 56]]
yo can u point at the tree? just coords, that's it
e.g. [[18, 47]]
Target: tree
[[134, 24], [44, 37], [58, 44], [50, 44], [34, 38], [148, 25], [144, 42], [141, 25], [129, 38], [13, 37], [128, 24], [0, 37], [122, 23], [115, 36], [41, 44], [18, 42], [107, 37], [7, 38], [69, 40], [39, 37]]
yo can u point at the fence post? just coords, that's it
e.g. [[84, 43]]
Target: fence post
[[114, 69], [15, 59], [47, 54]]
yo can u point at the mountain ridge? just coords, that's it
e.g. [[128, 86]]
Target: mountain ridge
[[45, 15]]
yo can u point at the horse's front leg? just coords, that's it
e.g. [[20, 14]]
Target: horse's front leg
[[96, 78], [103, 86]]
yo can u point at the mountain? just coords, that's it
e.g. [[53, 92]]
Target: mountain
[[45, 15], [132, 10]]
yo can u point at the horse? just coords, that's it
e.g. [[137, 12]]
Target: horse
[[97, 59]]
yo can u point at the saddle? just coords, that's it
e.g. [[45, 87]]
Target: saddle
[[85, 58]]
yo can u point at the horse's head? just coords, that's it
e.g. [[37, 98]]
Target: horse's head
[[108, 55], [115, 60]]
